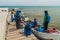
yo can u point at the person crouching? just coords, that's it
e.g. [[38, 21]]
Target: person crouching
[[27, 30]]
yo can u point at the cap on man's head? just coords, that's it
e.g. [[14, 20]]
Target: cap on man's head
[[46, 11]]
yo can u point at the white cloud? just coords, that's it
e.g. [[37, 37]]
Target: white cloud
[[29, 2]]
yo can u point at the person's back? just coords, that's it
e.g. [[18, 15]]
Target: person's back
[[17, 19], [27, 30]]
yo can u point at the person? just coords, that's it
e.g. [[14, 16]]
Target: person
[[40, 29], [46, 20], [12, 16], [13, 10], [27, 30], [17, 19], [35, 22]]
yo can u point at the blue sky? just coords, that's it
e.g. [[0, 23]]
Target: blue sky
[[29, 2]]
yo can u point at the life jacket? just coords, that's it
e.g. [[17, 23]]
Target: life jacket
[[17, 17]]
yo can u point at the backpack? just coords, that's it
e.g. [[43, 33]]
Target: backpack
[[48, 18]]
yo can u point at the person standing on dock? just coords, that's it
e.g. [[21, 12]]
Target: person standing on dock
[[17, 19], [46, 20], [13, 15], [27, 30]]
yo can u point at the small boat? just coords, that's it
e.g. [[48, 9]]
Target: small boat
[[47, 36]]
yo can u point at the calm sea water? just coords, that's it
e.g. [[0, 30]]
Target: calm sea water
[[36, 9]]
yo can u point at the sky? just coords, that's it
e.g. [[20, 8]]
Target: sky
[[29, 2]]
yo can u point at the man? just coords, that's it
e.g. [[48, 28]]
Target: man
[[35, 22], [17, 19], [46, 20], [27, 30], [12, 16]]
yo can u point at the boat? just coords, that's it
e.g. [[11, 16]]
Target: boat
[[47, 36]]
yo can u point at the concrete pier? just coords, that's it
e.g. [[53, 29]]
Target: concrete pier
[[3, 24]]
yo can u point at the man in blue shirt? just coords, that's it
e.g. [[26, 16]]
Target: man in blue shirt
[[46, 20], [27, 30], [35, 22]]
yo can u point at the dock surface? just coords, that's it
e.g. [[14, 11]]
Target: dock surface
[[14, 34]]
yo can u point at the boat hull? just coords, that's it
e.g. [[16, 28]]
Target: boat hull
[[47, 36]]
